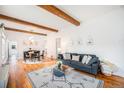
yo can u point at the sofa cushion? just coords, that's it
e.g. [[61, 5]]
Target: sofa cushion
[[74, 62], [79, 64], [75, 57]]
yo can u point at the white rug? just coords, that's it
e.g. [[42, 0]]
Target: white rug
[[43, 79], [32, 62]]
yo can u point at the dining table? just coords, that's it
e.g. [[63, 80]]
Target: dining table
[[32, 55]]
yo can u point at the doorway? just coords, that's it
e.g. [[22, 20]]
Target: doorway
[[58, 46], [13, 53]]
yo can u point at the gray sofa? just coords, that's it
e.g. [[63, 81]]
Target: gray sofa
[[92, 66]]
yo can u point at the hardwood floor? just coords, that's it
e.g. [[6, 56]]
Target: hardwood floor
[[19, 79]]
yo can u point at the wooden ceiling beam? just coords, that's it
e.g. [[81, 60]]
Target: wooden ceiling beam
[[24, 31], [27, 23], [56, 11]]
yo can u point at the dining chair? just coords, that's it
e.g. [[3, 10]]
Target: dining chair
[[36, 55], [26, 55]]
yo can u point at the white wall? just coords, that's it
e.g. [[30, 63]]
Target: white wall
[[107, 32], [0, 48], [21, 37]]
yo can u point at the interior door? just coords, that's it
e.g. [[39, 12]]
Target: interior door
[[58, 46]]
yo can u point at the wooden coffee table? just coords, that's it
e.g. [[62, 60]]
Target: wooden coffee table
[[65, 67]]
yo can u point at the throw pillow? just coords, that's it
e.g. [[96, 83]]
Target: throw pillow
[[94, 59], [88, 59], [67, 56], [75, 57], [84, 59]]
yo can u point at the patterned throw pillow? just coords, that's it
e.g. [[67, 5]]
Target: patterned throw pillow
[[88, 59], [84, 59], [75, 57]]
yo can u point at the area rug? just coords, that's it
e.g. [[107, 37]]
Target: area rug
[[42, 78]]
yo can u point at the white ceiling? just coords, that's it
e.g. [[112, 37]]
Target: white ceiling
[[40, 16], [87, 12]]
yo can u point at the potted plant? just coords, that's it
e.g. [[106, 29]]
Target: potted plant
[[59, 64]]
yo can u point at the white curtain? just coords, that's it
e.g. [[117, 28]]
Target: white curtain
[[3, 45]]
